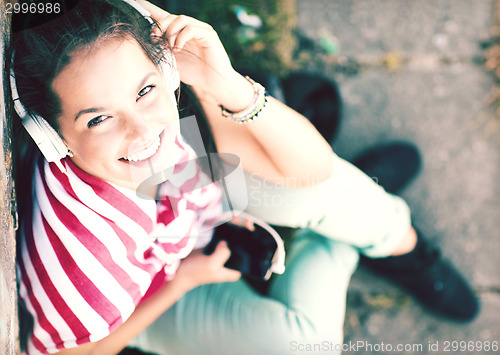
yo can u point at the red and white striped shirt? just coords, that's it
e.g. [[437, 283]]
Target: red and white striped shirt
[[90, 251]]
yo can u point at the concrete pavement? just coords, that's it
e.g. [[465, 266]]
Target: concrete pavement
[[420, 79]]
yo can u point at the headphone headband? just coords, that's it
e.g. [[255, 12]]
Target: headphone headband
[[145, 13]]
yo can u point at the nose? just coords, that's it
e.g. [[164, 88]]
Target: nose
[[136, 125]]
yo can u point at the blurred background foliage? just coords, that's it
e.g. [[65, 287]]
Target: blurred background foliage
[[259, 35]]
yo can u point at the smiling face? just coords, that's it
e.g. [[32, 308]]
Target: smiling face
[[118, 116]]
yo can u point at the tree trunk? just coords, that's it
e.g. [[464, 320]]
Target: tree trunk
[[8, 219]]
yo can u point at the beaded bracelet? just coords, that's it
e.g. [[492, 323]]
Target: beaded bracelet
[[251, 111]]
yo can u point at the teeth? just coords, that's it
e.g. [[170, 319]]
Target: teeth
[[146, 153]]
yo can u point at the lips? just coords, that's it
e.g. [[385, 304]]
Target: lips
[[146, 153]]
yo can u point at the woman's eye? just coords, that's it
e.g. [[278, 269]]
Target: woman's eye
[[97, 120], [146, 90]]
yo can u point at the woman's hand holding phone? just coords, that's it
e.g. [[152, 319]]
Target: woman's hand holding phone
[[199, 269]]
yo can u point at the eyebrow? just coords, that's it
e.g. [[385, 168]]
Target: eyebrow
[[97, 109]]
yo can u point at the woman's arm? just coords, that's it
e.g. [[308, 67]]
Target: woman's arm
[[197, 269], [280, 144]]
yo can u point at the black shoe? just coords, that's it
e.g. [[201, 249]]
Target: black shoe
[[317, 98], [430, 279], [391, 165]]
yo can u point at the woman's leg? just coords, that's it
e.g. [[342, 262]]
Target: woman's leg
[[304, 310], [349, 207]]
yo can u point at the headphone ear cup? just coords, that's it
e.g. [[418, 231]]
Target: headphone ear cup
[[55, 138], [46, 138]]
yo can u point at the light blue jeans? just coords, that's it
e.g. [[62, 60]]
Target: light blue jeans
[[304, 311]]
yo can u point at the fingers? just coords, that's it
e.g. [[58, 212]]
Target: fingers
[[178, 30], [231, 275], [222, 252], [220, 256], [200, 269], [243, 222], [180, 38], [156, 12], [249, 225]]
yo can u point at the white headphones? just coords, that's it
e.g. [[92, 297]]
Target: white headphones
[[45, 136]]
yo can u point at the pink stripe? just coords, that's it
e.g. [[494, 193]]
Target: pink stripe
[[38, 344], [175, 248], [180, 166], [42, 319], [86, 238], [62, 178], [127, 240], [59, 303], [190, 185], [167, 215], [106, 192], [183, 158], [83, 340], [90, 293], [157, 283], [82, 283], [193, 206]]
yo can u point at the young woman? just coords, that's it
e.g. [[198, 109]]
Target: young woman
[[101, 268]]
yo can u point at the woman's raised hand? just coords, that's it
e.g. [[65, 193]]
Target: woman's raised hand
[[201, 58]]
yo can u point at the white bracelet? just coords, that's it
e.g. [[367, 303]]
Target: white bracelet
[[251, 111]]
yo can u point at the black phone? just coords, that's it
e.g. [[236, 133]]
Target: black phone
[[252, 252]]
